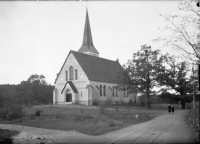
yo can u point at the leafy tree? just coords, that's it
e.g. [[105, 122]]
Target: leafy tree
[[174, 75], [143, 71], [183, 31], [7, 95], [35, 90], [35, 79]]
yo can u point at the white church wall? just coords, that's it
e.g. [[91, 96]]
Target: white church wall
[[54, 96], [109, 93], [80, 83], [71, 61], [83, 96], [60, 97]]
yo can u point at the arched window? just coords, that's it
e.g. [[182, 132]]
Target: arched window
[[104, 90], [66, 75], [100, 90], [116, 92], [113, 91], [76, 74], [71, 73]]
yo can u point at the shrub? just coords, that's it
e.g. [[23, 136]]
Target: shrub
[[11, 112], [37, 113], [121, 102], [95, 102], [130, 102], [108, 101]]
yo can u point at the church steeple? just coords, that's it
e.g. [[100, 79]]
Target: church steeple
[[87, 45]]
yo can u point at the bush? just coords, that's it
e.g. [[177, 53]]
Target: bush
[[130, 102], [37, 113], [108, 101], [116, 102], [11, 112], [121, 102], [95, 102]]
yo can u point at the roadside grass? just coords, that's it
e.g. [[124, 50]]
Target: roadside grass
[[192, 119], [83, 120]]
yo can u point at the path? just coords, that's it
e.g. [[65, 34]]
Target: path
[[166, 128]]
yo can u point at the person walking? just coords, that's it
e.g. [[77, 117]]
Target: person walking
[[172, 107], [169, 108]]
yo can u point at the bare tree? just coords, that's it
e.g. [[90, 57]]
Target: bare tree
[[183, 31]]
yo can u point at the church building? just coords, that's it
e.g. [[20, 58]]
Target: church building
[[85, 78]]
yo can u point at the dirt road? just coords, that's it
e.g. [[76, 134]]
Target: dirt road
[[166, 128]]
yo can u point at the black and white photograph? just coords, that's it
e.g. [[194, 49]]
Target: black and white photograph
[[99, 71]]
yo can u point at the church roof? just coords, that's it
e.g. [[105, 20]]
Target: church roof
[[99, 69], [96, 68], [87, 45]]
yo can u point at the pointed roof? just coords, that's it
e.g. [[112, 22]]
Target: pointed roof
[[71, 85], [96, 68], [87, 45]]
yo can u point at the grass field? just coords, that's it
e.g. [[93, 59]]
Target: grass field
[[88, 121]]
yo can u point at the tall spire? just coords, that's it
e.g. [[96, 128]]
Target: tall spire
[[87, 45]]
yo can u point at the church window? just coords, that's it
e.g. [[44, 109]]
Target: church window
[[66, 75], [116, 92], [104, 90], [76, 74], [71, 73], [100, 90], [113, 91]]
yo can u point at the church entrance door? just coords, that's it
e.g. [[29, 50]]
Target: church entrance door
[[69, 97]]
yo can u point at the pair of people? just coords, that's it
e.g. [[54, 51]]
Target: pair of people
[[171, 108]]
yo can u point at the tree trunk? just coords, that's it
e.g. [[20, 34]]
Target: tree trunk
[[148, 99], [183, 93], [183, 103], [148, 92]]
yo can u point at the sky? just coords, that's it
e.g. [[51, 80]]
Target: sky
[[36, 37]]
